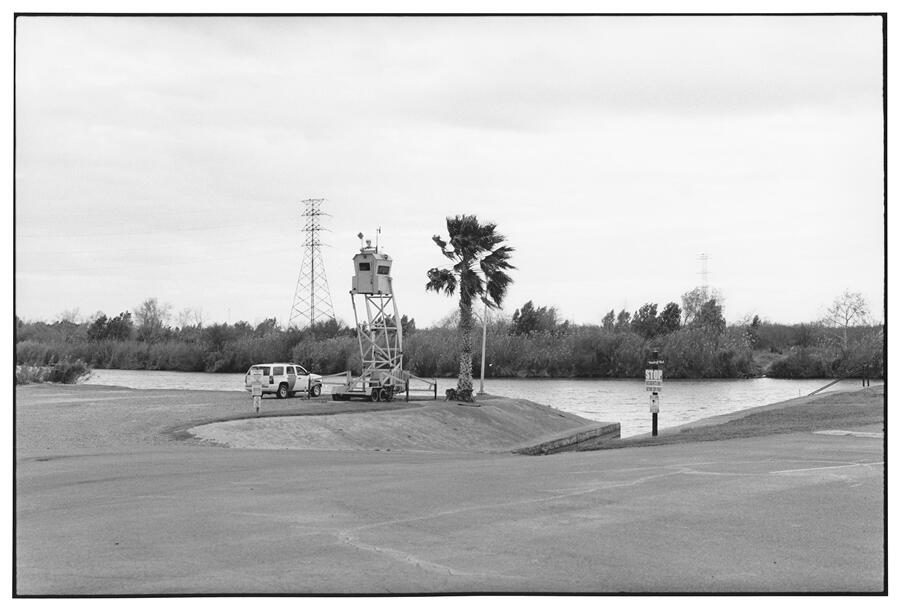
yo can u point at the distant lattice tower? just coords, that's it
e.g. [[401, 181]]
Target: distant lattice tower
[[312, 298], [704, 274]]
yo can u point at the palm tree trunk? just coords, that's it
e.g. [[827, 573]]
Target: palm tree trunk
[[464, 385]]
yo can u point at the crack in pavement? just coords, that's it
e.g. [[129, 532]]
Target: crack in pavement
[[432, 567], [844, 466], [349, 538]]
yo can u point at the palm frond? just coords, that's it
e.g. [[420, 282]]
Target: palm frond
[[488, 238], [497, 285], [441, 280], [470, 284], [465, 236], [497, 260], [443, 246]]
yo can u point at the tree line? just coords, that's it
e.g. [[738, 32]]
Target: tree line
[[693, 338]]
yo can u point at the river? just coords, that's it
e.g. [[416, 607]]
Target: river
[[623, 401]]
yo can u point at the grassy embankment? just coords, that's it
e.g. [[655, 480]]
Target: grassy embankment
[[828, 411]]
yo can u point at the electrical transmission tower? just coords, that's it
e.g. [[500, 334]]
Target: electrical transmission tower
[[312, 299], [704, 274]]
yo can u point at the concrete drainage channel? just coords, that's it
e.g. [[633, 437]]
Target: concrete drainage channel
[[572, 441]]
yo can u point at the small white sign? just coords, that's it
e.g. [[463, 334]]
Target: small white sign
[[654, 403], [256, 387], [653, 380]]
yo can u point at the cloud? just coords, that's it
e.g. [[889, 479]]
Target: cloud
[[562, 129]]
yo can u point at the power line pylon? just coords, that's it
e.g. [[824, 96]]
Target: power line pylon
[[704, 274], [312, 298]]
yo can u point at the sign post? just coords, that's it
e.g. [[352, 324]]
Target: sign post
[[653, 381], [256, 387]]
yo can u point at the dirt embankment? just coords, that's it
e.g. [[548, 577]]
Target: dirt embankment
[[493, 424], [63, 417]]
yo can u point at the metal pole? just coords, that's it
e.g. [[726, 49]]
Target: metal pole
[[654, 395], [312, 282], [483, 347]]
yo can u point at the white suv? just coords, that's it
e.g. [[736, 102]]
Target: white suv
[[285, 380]]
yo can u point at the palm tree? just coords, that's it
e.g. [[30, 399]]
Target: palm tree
[[478, 272]]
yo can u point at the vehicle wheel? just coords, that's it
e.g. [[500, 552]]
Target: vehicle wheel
[[315, 391], [282, 391], [386, 394], [376, 395]]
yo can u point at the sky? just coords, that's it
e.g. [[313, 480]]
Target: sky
[[168, 158]]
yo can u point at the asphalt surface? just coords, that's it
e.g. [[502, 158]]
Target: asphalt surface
[[797, 512]]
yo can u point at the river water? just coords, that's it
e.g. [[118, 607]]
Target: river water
[[622, 401]]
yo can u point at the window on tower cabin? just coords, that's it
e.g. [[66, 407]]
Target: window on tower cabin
[[364, 267], [384, 269]]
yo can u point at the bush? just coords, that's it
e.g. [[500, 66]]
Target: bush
[[800, 363], [62, 372], [29, 374], [328, 356], [68, 372], [31, 352]]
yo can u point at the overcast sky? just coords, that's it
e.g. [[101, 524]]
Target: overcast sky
[[168, 157]]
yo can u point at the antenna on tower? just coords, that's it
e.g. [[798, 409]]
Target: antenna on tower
[[704, 274], [312, 298]]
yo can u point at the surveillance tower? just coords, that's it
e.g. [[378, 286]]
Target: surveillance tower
[[312, 299], [379, 331]]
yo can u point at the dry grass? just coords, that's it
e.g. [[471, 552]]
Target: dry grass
[[840, 410]]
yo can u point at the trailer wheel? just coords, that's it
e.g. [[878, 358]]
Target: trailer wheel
[[385, 394]]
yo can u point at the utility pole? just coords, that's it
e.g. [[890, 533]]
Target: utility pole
[[483, 347], [312, 298]]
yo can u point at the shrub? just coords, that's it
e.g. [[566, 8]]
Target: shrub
[[62, 372], [68, 372], [800, 363], [29, 374]]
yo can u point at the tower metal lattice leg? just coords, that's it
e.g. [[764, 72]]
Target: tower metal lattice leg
[[312, 297], [380, 345]]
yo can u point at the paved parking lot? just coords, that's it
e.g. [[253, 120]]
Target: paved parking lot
[[784, 513]]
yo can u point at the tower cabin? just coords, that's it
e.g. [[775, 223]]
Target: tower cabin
[[373, 271]]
